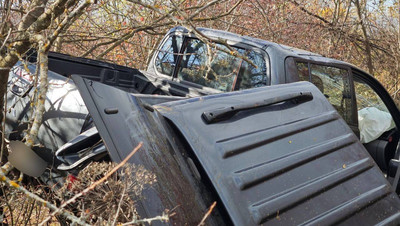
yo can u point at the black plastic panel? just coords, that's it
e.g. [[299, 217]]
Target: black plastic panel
[[285, 164], [288, 163]]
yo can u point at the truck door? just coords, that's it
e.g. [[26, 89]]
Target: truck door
[[378, 118], [362, 102]]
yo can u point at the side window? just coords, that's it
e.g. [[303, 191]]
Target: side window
[[333, 82], [168, 54], [373, 116], [211, 67]]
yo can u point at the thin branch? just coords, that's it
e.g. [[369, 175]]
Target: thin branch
[[209, 4], [202, 222], [68, 20], [3, 128], [31, 16], [6, 168], [5, 40], [119, 206], [229, 12], [91, 187], [331, 27], [163, 217], [310, 13], [130, 34], [35, 197]]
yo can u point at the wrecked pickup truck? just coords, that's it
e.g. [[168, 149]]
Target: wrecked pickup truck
[[282, 154]]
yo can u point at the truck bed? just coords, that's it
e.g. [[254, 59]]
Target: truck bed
[[125, 78]]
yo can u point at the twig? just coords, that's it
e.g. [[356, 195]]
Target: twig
[[9, 206], [119, 206], [395, 93], [91, 187], [354, 38], [5, 40], [3, 127], [163, 217], [29, 194], [187, 23], [30, 211], [6, 168], [207, 214], [68, 20]]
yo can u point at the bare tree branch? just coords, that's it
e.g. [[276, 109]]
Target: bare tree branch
[[42, 67], [202, 222], [68, 20], [13, 184], [91, 187]]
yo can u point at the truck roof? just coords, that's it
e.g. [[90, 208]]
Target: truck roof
[[260, 43]]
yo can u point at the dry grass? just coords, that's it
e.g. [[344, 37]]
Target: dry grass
[[17, 209], [109, 203], [113, 200]]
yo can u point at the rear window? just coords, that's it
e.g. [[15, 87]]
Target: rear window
[[167, 55], [219, 69]]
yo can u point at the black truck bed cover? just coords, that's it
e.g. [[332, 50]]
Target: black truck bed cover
[[278, 155], [291, 162]]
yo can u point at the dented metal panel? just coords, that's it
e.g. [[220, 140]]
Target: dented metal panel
[[287, 163]]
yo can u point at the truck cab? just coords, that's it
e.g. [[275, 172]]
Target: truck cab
[[233, 62]]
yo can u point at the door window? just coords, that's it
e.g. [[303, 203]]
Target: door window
[[333, 82]]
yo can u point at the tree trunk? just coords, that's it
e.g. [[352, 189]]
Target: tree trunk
[[366, 38], [3, 88]]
